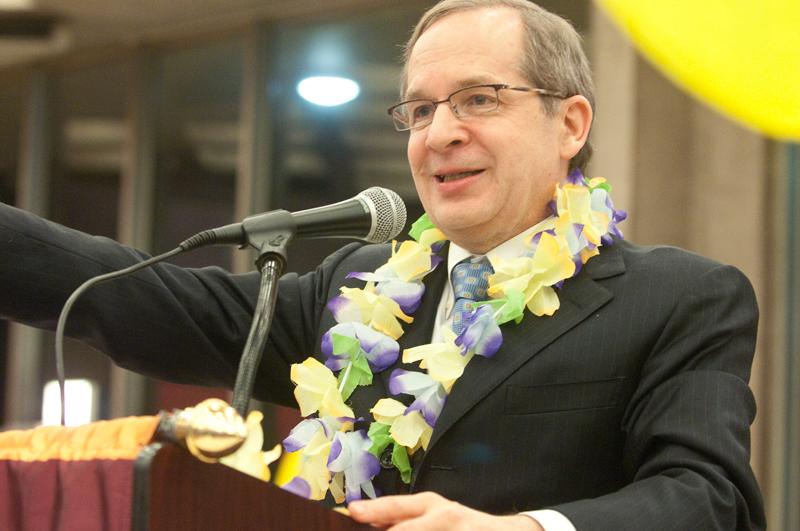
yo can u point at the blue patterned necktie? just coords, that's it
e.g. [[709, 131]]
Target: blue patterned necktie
[[470, 281]]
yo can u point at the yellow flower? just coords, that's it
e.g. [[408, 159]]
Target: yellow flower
[[249, 458], [431, 236], [574, 205], [314, 465], [373, 309], [410, 261], [317, 390], [409, 430], [551, 263], [443, 361], [337, 487]]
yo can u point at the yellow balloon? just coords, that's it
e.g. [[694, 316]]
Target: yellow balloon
[[740, 56]]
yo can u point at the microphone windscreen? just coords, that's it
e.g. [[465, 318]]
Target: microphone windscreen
[[388, 213]]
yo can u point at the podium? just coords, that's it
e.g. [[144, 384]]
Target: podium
[[110, 475], [173, 491]]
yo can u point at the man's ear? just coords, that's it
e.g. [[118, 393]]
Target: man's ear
[[576, 120]]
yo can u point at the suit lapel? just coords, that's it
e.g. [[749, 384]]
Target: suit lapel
[[580, 297]]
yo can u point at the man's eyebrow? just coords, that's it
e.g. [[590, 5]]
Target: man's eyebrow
[[416, 94]]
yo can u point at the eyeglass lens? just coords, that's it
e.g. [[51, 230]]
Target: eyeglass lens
[[465, 102]]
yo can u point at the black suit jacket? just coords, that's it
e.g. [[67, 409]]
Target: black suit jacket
[[627, 409]]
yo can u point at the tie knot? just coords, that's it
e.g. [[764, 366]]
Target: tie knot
[[471, 279]]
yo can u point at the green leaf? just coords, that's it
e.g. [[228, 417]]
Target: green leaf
[[359, 373], [380, 437], [605, 186], [509, 308], [400, 460], [421, 225], [345, 345]]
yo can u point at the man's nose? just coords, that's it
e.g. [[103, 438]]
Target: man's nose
[[445, 129]]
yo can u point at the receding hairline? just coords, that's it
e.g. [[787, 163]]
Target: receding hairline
[[408, 51]]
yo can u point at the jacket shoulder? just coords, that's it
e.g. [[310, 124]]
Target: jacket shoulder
[[665, 259]]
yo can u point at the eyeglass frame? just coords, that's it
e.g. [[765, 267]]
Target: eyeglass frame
[[496, 86]]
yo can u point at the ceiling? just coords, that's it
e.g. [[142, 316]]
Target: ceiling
[[76, 25], [200, 79]]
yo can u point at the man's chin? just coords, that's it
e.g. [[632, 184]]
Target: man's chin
[[455, 224], [466, 234]]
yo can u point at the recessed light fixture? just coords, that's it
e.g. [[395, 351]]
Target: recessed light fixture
[[16, 4], [328, 91]]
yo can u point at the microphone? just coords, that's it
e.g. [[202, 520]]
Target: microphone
[[375, 215]]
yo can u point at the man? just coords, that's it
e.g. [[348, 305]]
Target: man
[[627, 409]]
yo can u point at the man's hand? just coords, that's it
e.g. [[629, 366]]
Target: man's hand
[[428, 511]]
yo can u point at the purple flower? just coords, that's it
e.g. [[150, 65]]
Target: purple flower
[[337, 306], [575, 177], [301, 434], [306, 429], [350, 455], [480, 334], [617, 216], [429, 394], [380, 350], [299, 487], [601, 202], [407, 294], [538, 236], [436, 247]]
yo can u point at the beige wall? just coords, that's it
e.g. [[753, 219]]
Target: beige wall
[[692, 178]]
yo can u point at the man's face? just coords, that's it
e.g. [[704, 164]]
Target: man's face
[[482, 179]]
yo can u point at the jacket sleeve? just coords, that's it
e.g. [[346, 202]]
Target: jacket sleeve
[[169, 322], [686, 428]]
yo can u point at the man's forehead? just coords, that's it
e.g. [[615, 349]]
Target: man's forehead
[[418, 90], [464, 48]]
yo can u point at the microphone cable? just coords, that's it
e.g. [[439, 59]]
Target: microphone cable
[[62, 318], [201, 239], [384, 207]]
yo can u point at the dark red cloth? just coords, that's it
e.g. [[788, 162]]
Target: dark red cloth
[[92, 495]]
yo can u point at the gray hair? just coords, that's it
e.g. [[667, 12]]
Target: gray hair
[[554, 58]]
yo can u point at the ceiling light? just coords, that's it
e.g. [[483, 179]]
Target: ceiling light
[[16, 4], [328, 91]]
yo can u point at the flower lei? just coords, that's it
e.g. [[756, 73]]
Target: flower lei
[[332, 455]]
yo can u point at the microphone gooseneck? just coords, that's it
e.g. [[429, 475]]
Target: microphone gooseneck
[[375, 215]]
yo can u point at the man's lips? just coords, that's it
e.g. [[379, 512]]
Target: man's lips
[[447, 177]]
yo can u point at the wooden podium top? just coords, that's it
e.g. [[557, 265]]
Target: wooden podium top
[[173, 491]]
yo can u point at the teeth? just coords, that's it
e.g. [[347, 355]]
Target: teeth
[[455, 176]]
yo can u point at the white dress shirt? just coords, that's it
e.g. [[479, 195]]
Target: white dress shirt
[[549, 519]]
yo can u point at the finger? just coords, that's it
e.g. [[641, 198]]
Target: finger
[[415, 524], [442, 515], [425, 522], [392, 509], [456, 517]]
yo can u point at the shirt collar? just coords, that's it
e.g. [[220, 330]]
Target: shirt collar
[[509, 249]]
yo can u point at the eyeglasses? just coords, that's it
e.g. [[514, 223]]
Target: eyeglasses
[[468, 101]]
